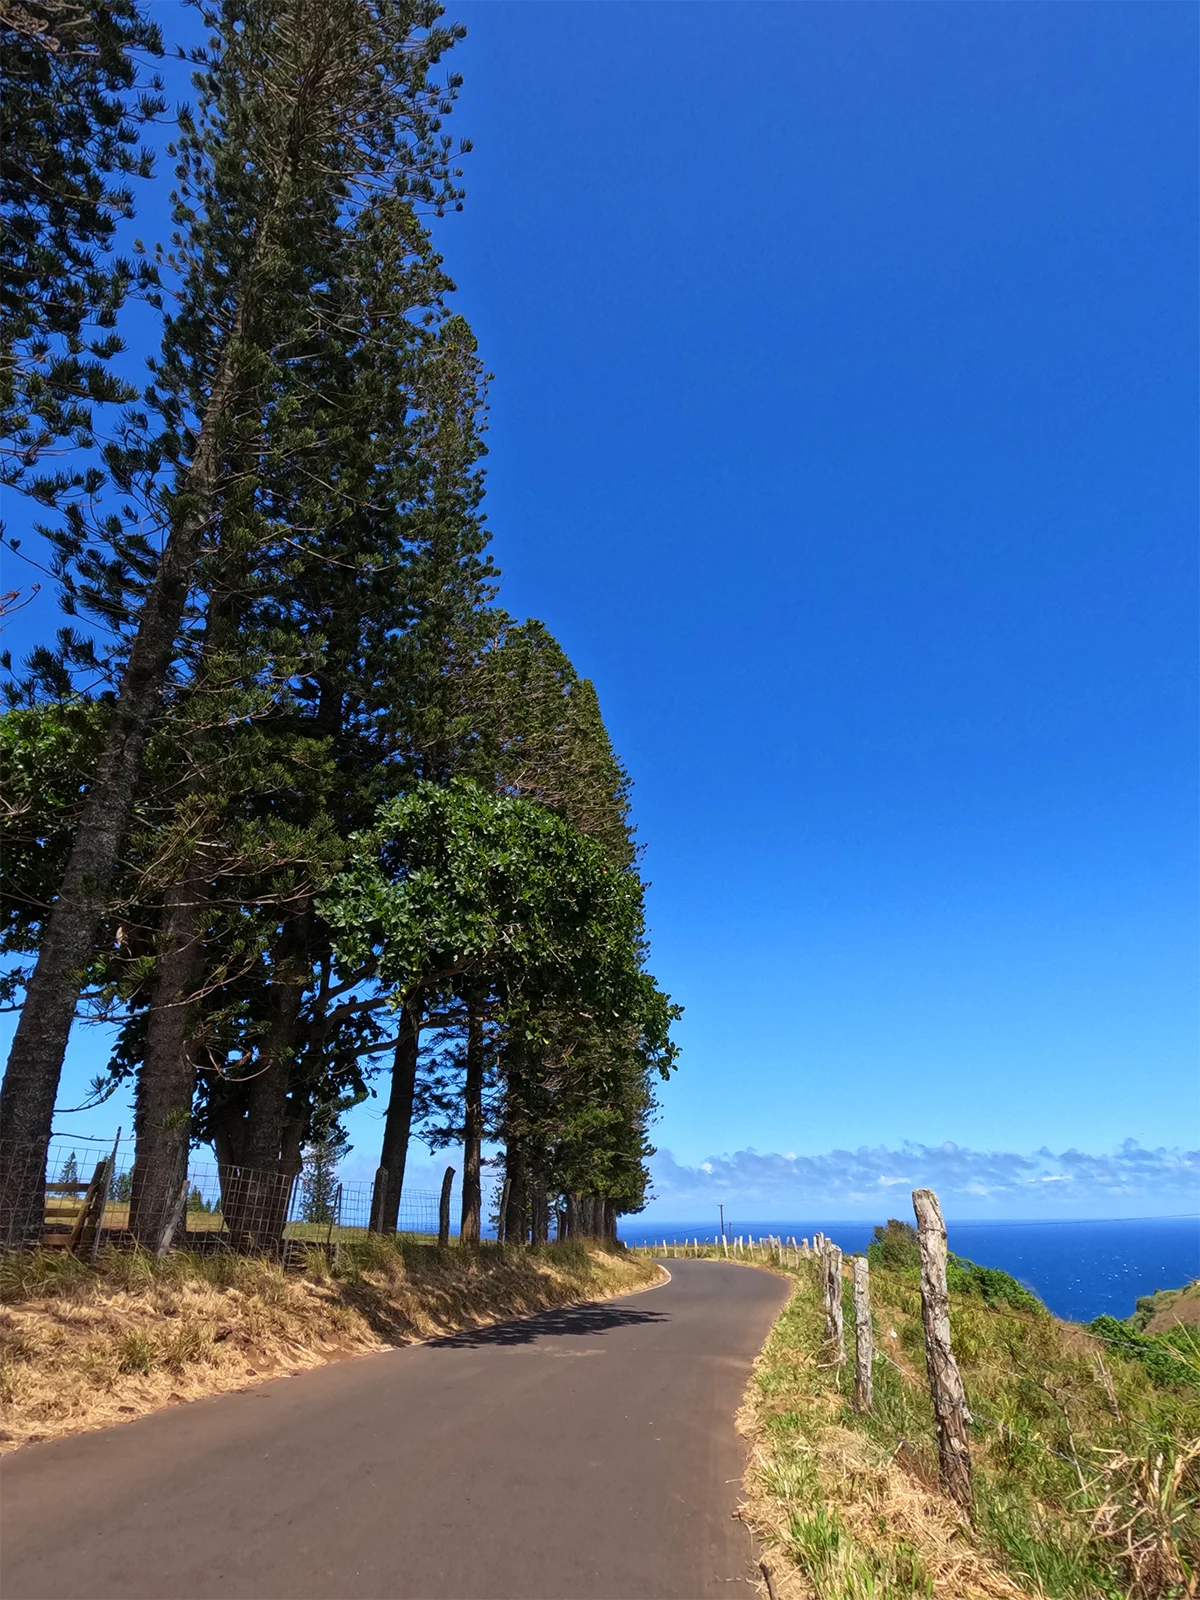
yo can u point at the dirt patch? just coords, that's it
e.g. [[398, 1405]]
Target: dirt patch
[[1172, 1306]]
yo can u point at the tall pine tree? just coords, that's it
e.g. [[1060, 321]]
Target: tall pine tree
[[307, 109]]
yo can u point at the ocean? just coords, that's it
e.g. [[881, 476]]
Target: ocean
[[1079, 1269]]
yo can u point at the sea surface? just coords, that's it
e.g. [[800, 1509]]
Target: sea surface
[[1079, 1269]]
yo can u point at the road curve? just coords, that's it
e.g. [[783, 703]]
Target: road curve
[[586, 1453]]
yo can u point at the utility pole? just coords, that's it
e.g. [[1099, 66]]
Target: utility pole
[[721, 1209]]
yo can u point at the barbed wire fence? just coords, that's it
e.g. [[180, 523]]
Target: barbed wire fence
[[788, 1252], [90, 1199]]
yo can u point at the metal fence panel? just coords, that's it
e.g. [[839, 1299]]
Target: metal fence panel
[[217, 1207]]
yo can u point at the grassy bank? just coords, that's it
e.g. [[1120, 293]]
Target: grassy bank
[[84, 1347], [1086, 1454]]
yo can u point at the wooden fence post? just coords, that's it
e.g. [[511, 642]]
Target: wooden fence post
[[864, 1348], [945, 1384], [176, 1214], [105, 1188], [444, 1209], [81, 1236], [834, 1331]]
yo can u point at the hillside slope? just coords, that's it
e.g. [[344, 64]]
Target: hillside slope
[[84, 1347], [1086, 1453]]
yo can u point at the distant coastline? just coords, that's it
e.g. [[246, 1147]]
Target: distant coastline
[[1080, 1268]]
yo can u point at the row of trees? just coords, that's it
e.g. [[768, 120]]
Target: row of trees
[[299, 802]]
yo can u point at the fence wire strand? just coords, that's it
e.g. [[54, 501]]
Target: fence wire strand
[[88, 1196]]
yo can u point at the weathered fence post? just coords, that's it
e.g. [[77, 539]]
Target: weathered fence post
[[945, 1384], [444, 1209], [81, 1235], [176, 1214], [834, 1331], [378, 1199], [102, 1199], [864, 1348]]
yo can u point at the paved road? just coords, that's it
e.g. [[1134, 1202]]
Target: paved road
[[588, 1453]]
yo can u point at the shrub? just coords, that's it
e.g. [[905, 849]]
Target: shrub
[[994, 1287], [566, 1252], [894, 1245], [1161, 1363], [136, 1352]]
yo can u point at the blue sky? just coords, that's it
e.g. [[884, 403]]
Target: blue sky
[[844, 431]]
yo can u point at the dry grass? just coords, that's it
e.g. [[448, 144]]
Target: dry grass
[[840, 1515], [1087, 1459], [84, 1348], [1170, 1308]]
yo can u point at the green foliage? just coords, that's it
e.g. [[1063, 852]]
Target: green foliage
[[318, 1180], [995, 1287], [1085, 1444], [455, 886], [1164, 1365], [47, 755], [137, 1352], [362, 780], [569, 1253], [842, 1569], [71, 129], [1163, 1301], [70, 1169], [894, 1245]]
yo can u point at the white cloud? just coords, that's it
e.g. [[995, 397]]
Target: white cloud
[[1130, 1181]]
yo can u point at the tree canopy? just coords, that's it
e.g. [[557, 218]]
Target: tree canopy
[[295, 806]]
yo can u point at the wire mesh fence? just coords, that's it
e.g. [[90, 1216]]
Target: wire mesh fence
[[80, 1192]]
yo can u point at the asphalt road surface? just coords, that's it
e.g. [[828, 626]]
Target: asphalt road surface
[[586, 1453]]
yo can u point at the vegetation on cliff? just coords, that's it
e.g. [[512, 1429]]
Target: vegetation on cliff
[[1086, 1455]]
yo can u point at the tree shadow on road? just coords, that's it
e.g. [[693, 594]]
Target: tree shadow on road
[[570, 1320]]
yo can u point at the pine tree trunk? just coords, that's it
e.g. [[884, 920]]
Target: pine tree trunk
[[610, 1219], [472, 1196], [573, 1221], [264, 1184], [398, 1124], [539, 1207], [166, 1082], [39, 1044], [516, 1213]]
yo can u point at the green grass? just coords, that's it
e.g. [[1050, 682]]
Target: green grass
[[1086, 1454]]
